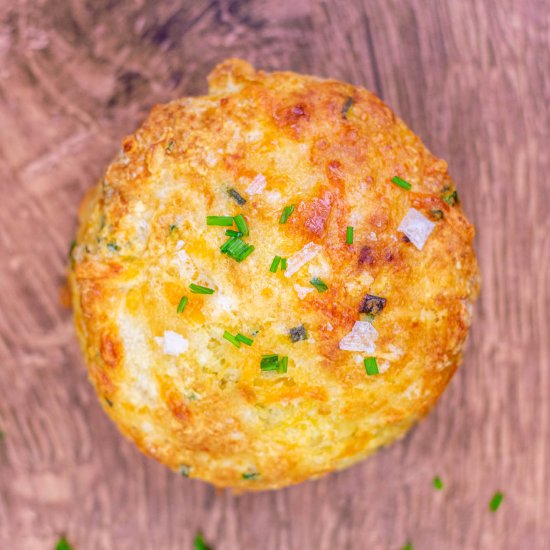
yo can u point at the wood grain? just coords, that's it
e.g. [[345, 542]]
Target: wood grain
[[470, 77]]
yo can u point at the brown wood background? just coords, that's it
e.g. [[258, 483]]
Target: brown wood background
[[471, 77]]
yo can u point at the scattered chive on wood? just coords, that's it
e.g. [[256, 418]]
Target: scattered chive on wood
[[232, 233], [287, 212], [496, 501], [235, 195], [199, 543], [371, 366], [402, 183], [438, 484], [347, 106], [240, 222], [318, 284], [63, 544], [251, 475], [224, 221], [236, 248], [182, 304], [349, 234], [298, 333], [275, 264], [230, 338], [184, 470], [244, 339], [198, 289]]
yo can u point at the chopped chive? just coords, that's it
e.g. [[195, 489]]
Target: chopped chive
[[371, 366], [269, 362], [402, 183], [63, 544], [172, 227], [275, 264], [298, 333], [230, 338], [182, 304], [450, 197], [198, 289], [349, 234], [438, 484], [347, 106], [318, 284], [282, 365], [246, 253], [496, 501], [225, 221], [437, 214], [199, 543], [113, 247], [370, 318], [287, 212], [184, 470], [236, 248], [232, 233], [408, 546], [240, 222], [170, 146], [244, 339], [251, 475], [236, 197], [283, 264]]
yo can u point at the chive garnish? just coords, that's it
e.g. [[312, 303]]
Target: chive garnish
[[371, 366], [244, 339], [349, 234], [236, 248], [240, 222], [283, 365], [298, 333], [438, 484], [63, 544], [184, 470], [318, 284], [251, 475], [172, 227], [347, 106], [246, 253], [450, 197], [199, 543], [236, 197], [225, 221], [275, 264], [274, 363], [283, 264], [287, 212], [232, 233], [182, 304], [113, 247], [170, 146], [230, 338], [198, 289], [402, 183], [496, 501]]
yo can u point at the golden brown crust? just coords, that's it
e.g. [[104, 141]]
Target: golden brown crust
[[331, 149]]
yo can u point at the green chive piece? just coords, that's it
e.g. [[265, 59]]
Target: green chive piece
[[113, 247], [438, 484], [349, 234], [275, 264], [63, 544], [318, 284], [199, 543], [402, 183], [282, 365], [244, 339], [198, 289], [170, 146], [251, 475], [371, 366], [109, 402], [240, 222], [450, 197], [224, 221], [184, 470], [246, 253], [232, 233], [172, 227], [408, 546], [496, 501], [230, 338], [182, 304], [283, 264], [269, 362], [287, 212]]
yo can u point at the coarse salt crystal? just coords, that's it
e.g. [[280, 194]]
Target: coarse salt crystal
[[306, 254], [302, 291], [417, 227], [361, 338], [257, 185], [173, 343]]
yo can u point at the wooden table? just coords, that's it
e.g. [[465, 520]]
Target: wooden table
[[470, 77]]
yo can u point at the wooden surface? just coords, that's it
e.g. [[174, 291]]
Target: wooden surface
[[470, 77]]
